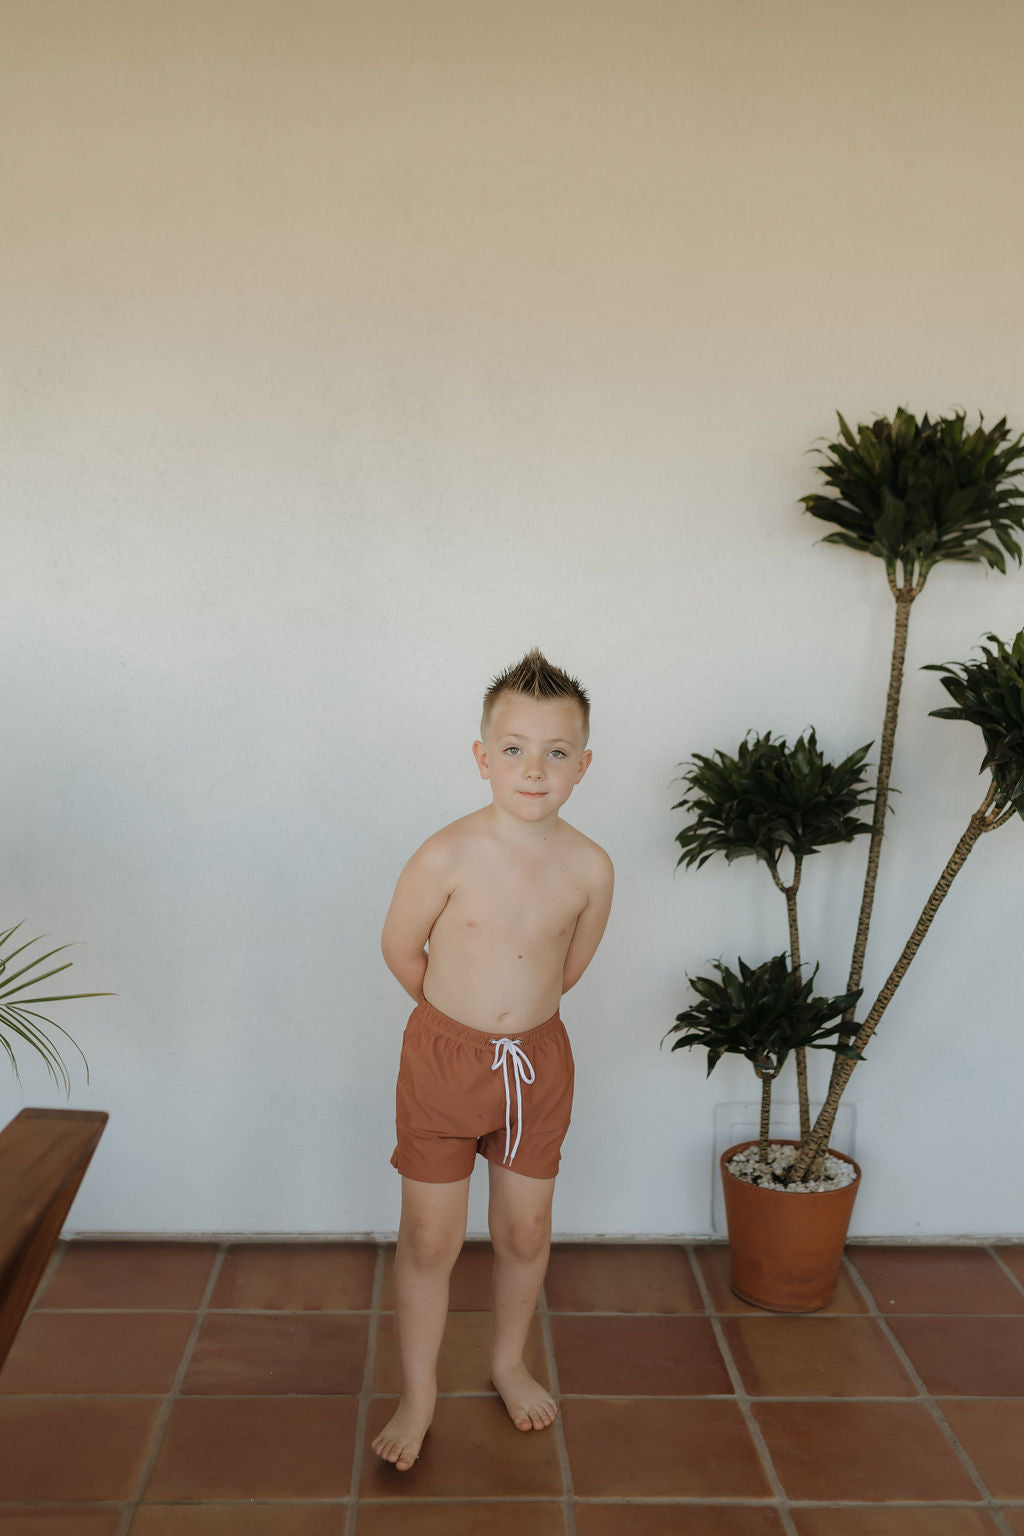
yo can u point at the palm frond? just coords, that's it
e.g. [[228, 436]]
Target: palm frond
[[914, 493], [20, 1023]]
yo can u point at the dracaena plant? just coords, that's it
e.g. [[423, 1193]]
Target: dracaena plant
[[761, 1013], [777, 804], [21, 1024], [913, 494], [989, 694]]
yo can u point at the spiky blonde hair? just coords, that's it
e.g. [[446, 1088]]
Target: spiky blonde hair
[[536, 678]]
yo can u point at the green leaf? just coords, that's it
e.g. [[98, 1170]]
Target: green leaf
[[20, 1024]]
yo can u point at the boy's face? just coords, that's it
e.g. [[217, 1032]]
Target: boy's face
[[534, 754]]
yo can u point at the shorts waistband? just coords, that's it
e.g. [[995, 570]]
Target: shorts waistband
[[481, 1039]]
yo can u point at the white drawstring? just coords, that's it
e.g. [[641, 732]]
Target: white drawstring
[[522, 1071]]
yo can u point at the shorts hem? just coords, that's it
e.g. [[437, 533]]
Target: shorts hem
[[499, 1162]]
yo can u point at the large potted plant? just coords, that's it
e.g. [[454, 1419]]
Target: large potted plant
[[912, 494]]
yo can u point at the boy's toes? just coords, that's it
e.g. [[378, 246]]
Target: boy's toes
[[401, 1455], [529, 1405], [400, 1440]]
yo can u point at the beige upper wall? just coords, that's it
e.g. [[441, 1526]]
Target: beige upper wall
[[351, 348]]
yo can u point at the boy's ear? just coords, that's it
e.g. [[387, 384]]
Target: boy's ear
[[480, 753], [584, 765]]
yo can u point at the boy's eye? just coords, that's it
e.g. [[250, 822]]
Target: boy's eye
[[511, 751], [557, 752]]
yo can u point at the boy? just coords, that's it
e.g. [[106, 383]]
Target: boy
[[513, 902]]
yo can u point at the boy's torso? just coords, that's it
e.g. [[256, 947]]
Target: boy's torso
[[497, 949]]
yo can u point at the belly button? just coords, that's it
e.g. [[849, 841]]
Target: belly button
[[503, 1018]]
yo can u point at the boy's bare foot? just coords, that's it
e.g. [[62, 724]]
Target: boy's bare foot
[[400, 1440], [530, 1406]]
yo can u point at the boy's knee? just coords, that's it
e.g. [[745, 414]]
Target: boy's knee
[[523, 1238], [429, 1246]]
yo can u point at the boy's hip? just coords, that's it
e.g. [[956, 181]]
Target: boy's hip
[[431, 1021]]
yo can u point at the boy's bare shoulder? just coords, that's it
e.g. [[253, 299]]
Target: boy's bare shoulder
[[592, 857], [445, 845]]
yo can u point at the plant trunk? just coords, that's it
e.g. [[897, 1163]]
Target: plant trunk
[[789, 891], [794, 960], [766, 1115], [813, 1150], [904, 598]]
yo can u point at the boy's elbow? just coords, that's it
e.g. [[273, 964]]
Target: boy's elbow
[[394, 954]]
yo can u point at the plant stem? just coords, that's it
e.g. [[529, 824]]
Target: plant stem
[[766, 1115], [812, 1153], [789, 891], [904, 596]]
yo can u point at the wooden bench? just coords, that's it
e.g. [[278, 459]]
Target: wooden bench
[[43, 1156]]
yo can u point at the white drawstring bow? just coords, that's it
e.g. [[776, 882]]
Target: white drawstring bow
[[522, 1071]]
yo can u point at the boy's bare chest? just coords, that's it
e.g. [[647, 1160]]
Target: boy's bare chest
[[532, 905]]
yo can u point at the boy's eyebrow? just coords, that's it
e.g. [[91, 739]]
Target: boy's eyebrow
[[552, 741]]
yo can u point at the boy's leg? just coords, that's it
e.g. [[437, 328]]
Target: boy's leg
[[430, 1235], [519, 1217]]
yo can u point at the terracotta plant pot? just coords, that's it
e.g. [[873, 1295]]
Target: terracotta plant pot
[[785, 1249]]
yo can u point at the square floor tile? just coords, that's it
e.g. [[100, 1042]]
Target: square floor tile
[[297, 1277], [256, 1448], [815, 1356], [861, 1452], [975, 1356], [254, 1352], [239, 1520], [132, 1275], [991, 1431], [59, 1522], [465, 1354], [661, 1448], [97, 1352], [473, 1451], [935, 1279], [713, 1261], [638, 1356], [71, 1448], [621, 1277], [899, 1521], [676, 1520], [522, 1519], [470, 1288]]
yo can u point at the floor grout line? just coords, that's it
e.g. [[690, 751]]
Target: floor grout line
[[558, 1427], [163, 1418], [1018, 1284], [743, 1401], [365, 1395]]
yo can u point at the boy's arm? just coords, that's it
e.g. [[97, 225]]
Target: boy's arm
[[421, 893], [590, 924]]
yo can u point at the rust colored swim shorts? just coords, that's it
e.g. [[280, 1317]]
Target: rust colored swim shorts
[[462, 1092]]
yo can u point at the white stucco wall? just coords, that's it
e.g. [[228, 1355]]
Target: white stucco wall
[[349, 348]]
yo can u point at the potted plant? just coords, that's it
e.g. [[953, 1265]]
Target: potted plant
[[912, 494], [763, 1013], [20, 1021]]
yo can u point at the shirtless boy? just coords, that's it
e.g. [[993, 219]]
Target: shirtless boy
[[512, 902]]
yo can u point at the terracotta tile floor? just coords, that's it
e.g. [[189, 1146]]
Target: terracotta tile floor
[[166, 1389]]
